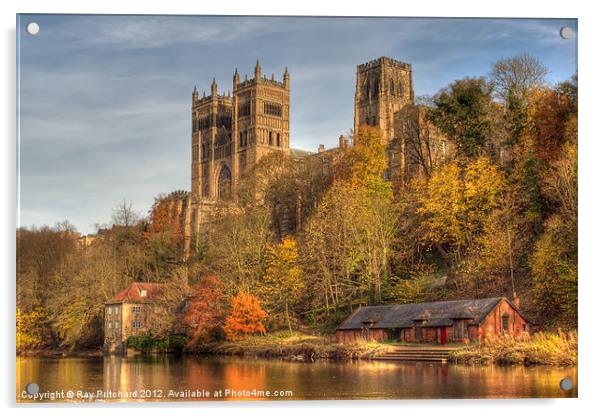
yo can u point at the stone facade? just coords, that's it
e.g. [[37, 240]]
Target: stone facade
[[131, 312]]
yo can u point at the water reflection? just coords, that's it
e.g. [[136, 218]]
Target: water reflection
[[234, 378]]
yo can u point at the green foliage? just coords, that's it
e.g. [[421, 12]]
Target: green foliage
[[461, 112], [166, 343]]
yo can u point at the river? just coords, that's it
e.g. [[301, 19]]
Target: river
[[163, 378]]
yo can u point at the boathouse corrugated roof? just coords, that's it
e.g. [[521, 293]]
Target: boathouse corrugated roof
[[424, 314]]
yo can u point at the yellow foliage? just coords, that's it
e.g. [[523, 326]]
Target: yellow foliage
[[30, 328], [367, 160], [458, 200]]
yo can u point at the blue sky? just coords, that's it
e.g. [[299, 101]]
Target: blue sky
[[105, 100]]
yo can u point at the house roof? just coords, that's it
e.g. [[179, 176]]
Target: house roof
[[426, 314], [136, 291]]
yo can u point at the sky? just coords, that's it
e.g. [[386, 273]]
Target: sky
[[104, 101]]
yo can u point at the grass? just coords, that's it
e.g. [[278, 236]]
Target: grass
[[299, 346], [546, 348]]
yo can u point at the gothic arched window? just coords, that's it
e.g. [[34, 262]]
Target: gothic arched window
[[224, 183]]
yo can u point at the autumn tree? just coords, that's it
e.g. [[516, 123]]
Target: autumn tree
[[366, 161], [237, 248], [554, 261], [282, 281], [31, 329], [513, 79], [462, 113], [205, 314], [245, 316], [457, 202]]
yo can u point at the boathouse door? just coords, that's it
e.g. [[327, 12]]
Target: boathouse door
[[443, 335]]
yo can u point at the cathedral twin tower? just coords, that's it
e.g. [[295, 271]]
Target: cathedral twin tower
[[230, 133]]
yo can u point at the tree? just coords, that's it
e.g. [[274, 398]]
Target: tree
[[514, 77], [40, 253], [124, 215], [554, 260], [237, 248], [366, 161], [32, 330], [422, 141], [205, 313], [457, 202], [245, 316], [461, 112], [282, 280]]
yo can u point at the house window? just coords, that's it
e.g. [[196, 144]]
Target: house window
[[505, 322], [278, 139], [109, 310], [110, 325], [143, 293], [137, 309], [270, 139], [136, 324], [116, 325]]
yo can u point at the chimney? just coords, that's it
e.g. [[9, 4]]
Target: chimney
[[343, 142], [516, 301], [321, 148]]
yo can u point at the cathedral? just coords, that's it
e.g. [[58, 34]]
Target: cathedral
[[232, 132]]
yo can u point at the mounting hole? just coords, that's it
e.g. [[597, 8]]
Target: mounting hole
[[32, 388], [566, 384], [566, 32], [32, 28]]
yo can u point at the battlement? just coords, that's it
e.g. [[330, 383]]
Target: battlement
[[222, 98], [383, 60], [263, 80], [179, 194]]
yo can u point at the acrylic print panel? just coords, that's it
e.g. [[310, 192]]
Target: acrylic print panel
[[295, 208]]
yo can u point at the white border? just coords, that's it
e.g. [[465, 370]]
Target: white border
[[590, 152]]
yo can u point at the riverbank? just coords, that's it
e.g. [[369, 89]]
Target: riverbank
[[45, 353], [299, 347], [556, 349]]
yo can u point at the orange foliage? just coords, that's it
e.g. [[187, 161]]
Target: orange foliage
[[165, 219], [245, 316], [206, 312], [547, 121]]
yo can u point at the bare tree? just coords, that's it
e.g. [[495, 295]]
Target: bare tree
[[124, 214], [513, 77]]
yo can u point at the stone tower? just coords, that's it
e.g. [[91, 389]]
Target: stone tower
[[261, 118], [383, 87], [231, 133]]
